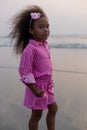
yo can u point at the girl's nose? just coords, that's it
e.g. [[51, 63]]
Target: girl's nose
[[46, 29]]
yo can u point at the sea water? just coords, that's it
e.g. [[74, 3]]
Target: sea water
[[63, 41]]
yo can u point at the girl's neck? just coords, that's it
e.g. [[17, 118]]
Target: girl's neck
[[40, 41]]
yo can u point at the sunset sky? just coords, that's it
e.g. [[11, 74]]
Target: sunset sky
[[65, 16]]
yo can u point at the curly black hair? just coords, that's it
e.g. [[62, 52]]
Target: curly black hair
[[20, 27]]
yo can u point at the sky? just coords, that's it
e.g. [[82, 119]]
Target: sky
[[66, 17]]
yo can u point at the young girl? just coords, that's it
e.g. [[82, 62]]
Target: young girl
[[30, 31]]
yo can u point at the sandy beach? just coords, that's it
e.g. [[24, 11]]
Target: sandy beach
[[70, 77]]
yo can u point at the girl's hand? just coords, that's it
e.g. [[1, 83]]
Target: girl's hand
[[34, 89], [39, 93]]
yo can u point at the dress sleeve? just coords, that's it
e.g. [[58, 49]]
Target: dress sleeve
[[26, 66]]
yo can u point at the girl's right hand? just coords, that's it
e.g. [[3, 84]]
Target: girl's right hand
[[40, 93], [34, 89]]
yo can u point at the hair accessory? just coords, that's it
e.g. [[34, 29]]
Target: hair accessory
[[35, 15]]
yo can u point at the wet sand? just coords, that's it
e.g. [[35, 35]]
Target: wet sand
[[70, 68]]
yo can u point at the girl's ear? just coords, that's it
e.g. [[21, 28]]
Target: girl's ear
[[31, 31]]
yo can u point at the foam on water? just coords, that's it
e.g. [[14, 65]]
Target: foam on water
[[78, 42]]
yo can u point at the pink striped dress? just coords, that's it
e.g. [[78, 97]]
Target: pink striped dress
[[36, 67]]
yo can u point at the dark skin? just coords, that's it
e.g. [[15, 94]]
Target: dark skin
[[33, 88], [40, 32]]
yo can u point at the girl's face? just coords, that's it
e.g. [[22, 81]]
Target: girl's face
[[40, 30]]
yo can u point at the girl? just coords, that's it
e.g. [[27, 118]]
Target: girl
[[30, 31]]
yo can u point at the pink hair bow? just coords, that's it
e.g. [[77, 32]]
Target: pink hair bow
[[35, 15]]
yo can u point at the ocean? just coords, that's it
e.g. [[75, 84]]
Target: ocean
[[63, 41], [69, 54]]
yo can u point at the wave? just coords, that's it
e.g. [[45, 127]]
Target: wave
[[70, 45], [54, 43]]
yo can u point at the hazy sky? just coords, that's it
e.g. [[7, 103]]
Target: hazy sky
[[65, 16]]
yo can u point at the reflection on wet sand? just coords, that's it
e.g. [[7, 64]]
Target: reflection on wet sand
[[70, 89]]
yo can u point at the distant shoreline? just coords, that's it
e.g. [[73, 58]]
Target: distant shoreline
[[57, 36], [56, 41], [59, 46]]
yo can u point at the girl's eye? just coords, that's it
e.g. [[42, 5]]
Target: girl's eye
[[40, 27], [48, 26]]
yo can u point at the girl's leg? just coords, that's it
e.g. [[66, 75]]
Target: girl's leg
[[34, 119], [50, 119]]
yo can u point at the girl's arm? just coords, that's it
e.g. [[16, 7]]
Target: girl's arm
[[33, 88], [25, 71]]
